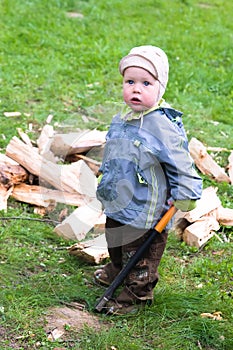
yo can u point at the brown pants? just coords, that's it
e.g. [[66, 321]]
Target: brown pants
[[140, 282]]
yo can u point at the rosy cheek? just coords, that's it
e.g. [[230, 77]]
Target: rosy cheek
[[125, 94]]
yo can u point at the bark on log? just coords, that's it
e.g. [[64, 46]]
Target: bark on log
[[205, 162], [75, 177], [12, 175]]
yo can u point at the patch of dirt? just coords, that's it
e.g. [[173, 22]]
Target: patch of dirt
[[6, 338], [60, 319]]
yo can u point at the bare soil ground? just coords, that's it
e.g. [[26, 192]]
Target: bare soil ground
[[59, 323], [60, 320], [6, 337]]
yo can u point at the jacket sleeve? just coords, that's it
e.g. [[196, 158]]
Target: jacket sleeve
[[183, 181]]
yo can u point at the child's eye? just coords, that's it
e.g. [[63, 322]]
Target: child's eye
[[146, 83], [130, 82]]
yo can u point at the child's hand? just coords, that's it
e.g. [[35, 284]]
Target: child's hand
[[185, 205], [99, 177]]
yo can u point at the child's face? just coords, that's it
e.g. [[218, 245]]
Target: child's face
[[140, 89]]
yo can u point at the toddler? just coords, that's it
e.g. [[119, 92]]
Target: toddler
[[146, 167]]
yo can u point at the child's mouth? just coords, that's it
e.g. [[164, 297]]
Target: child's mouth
[[135, 100]]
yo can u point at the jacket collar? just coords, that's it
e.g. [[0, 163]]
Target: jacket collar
[[128, 114]]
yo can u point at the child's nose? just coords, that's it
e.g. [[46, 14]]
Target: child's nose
[[137, 88]]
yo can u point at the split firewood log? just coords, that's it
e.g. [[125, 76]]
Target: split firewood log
[[80, 222], [7, 160], [75, 177], [200, 224], [65, 144], [44, 141], [24, 137], [224, 216], [42, 211], [99, 225], [11, 173], [200, 231], [205, 162], [92, 251], [93, 164], [4, 195], [42, 196]]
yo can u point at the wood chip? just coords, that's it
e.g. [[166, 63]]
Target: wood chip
[[230, 167], [12, 114]]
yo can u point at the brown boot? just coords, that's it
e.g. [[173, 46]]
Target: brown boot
[[113, 307], [107, 274]]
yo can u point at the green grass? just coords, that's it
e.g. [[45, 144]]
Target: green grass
[[53, 64]]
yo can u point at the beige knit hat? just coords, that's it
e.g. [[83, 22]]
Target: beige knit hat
[[151, 58]]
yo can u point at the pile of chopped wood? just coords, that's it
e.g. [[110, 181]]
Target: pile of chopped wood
[[199, 225], [58, 168], [55, 169]]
